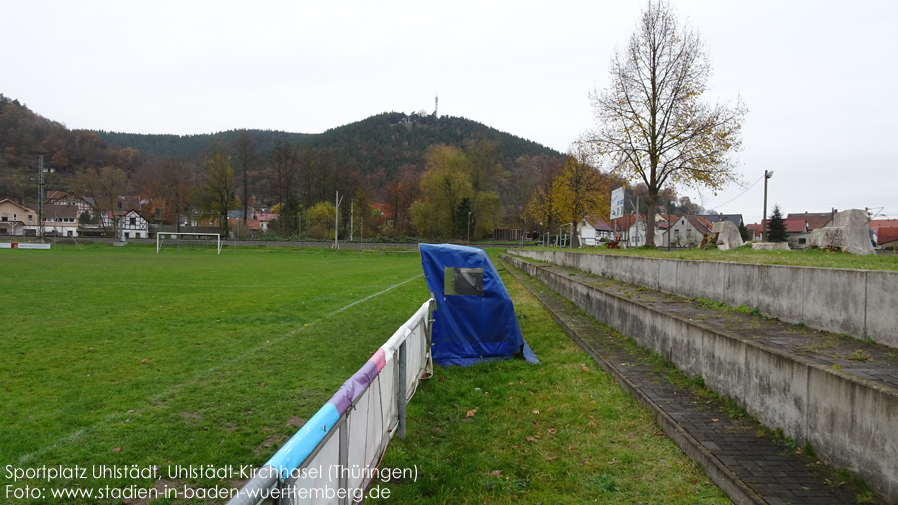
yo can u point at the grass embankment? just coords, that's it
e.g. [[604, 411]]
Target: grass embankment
[[121, 356], [807, 258], [558, 432]]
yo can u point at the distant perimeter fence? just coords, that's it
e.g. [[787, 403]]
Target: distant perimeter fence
[[334, 456]]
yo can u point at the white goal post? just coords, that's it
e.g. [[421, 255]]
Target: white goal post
[[188, 238]]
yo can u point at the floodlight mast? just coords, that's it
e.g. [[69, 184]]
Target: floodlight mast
[[337, 200]]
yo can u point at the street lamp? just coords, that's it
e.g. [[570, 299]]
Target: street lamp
[[469, 228], [767, 175]]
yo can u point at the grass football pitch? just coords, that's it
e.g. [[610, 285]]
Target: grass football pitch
[[125, 358]]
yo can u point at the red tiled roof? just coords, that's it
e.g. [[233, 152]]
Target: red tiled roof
[[69, 211], [814, 219], [597, 223], [794, 225], [252, 224], [700, 224], [876, 224], [266, 217], [818, 222], [625, 222]]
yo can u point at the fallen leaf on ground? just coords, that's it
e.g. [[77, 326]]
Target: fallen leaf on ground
[[471, 413]]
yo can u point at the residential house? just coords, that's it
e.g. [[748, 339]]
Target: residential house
[[83, 204], [887, 238], [736, 219], [123, 205], [237, 226], [132, 224], [813, 220], [797, 231], [238, 214], [264, 219], [61, 220], [876, 224], [755, 230], [636, 229], [800, 234], [620, 227], [629, 229], [688, 231], [17, 219], [594, 231]]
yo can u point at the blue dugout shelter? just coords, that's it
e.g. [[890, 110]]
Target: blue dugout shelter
[[474, 319]]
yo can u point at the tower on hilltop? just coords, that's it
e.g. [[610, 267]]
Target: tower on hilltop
[[436, 106]]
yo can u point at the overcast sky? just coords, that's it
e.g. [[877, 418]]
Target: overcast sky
[[818, 77]]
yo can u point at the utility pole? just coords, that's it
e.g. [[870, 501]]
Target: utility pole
[[40, 185], [351, 217]]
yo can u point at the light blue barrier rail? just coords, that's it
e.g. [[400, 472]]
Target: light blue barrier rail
[[334, 456]]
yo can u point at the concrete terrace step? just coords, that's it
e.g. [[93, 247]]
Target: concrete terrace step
[[743, 457]]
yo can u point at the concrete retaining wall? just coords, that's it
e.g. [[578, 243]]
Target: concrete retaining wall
[[860, 303], [852, 423]]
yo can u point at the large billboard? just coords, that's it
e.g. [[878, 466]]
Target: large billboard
[[617, 203]]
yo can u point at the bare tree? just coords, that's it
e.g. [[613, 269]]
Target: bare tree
[[284, 163], [104, 185], [174, 186], [651, 122], [245, 155], [308, 175], [218, 188]]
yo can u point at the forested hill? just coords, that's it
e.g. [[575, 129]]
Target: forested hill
[[382, 142]]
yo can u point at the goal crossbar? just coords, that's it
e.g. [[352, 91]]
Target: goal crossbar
[[161, 237]]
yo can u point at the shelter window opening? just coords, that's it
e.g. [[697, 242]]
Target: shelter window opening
[[463, 281]]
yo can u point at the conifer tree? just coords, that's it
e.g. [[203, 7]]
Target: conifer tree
[[743, 231], [776, 226]]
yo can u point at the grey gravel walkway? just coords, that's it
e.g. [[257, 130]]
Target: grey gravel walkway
[[743, 457]]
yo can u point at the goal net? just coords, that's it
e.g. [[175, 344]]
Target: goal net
[[172, 240]]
